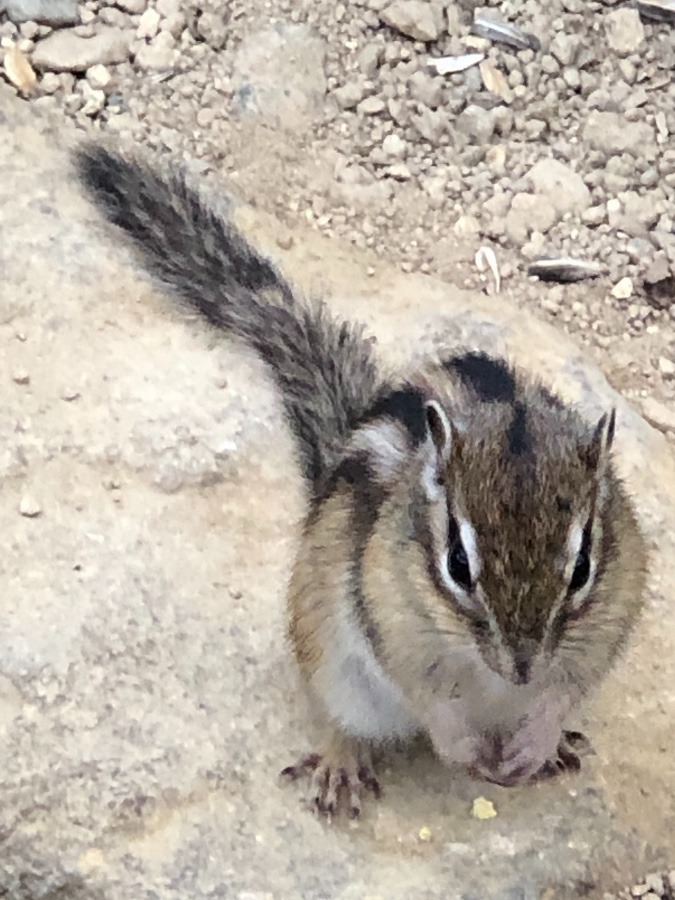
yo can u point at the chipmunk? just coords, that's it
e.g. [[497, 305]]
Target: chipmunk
[[470, 565]]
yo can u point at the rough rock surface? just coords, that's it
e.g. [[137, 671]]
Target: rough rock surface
[[66, 51], [146, 696], [625, 31], [278, 76], [562, 187], [418, 19], [44, 12]]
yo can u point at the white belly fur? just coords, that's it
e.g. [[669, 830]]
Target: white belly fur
[[357, 694]]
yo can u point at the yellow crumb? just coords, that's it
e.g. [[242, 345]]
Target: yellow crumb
[[483, 809]]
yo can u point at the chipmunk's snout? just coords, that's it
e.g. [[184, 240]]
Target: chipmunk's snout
[[522, 670]]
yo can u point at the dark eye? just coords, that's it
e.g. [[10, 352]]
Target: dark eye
[[458, 566], [582, 570]]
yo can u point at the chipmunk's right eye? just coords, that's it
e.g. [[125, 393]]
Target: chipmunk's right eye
[[458, 566], [582, 571]]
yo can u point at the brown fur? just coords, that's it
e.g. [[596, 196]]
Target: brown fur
[[392, 472]]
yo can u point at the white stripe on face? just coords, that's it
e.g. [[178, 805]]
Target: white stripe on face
[[468, 535], [575, 540]]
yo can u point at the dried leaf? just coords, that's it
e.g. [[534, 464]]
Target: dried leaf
[[19, 71], [487, 259], [657, 10], [495, 82], [448, 65], [483, 809], [563, 269], [505, 33]]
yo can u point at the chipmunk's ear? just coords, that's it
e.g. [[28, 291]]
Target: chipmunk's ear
[[399, 425], [439, 427], [394, 427], [596, 452], [443, 443]]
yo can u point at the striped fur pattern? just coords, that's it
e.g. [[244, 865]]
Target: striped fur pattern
[[471, 565]]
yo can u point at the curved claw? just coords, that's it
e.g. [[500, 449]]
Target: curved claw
[[337, 780], [302, 767]]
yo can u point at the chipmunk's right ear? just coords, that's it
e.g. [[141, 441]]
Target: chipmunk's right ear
[[442, 443], [440, 428], [402, 423], [393, 426]]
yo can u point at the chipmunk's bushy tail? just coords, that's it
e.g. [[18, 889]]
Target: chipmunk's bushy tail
[[324, 368]]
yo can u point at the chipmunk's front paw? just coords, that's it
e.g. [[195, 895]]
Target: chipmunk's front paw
[[572, 748], [339, 777], [522, 755], [524, 760]]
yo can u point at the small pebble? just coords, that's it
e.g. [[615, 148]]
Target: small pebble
[[29, 507], [623, 289], [655, 882], [21, 377], [285, 241], [98, 77], [639, 890], [666, 367]]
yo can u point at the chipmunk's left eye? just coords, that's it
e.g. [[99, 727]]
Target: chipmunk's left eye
[[582, 570], [458, 565]]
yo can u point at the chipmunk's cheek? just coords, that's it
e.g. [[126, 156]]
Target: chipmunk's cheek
[[454, 740]]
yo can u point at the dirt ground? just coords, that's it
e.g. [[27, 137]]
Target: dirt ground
[[327, 122]]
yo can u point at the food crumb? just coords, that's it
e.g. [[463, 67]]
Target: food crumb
[[483, 809]]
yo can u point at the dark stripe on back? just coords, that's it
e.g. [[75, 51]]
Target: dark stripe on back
[[490, 378], [367, 497], [518, 437]]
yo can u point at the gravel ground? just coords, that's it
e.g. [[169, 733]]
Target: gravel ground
[[562, 149], [566, 149]]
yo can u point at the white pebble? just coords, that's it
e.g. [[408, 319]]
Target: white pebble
[[623, 289], [149, 24], [29, 507], [394, 146], [98, 76]]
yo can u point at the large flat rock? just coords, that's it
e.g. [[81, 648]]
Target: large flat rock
[[147, 700]]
